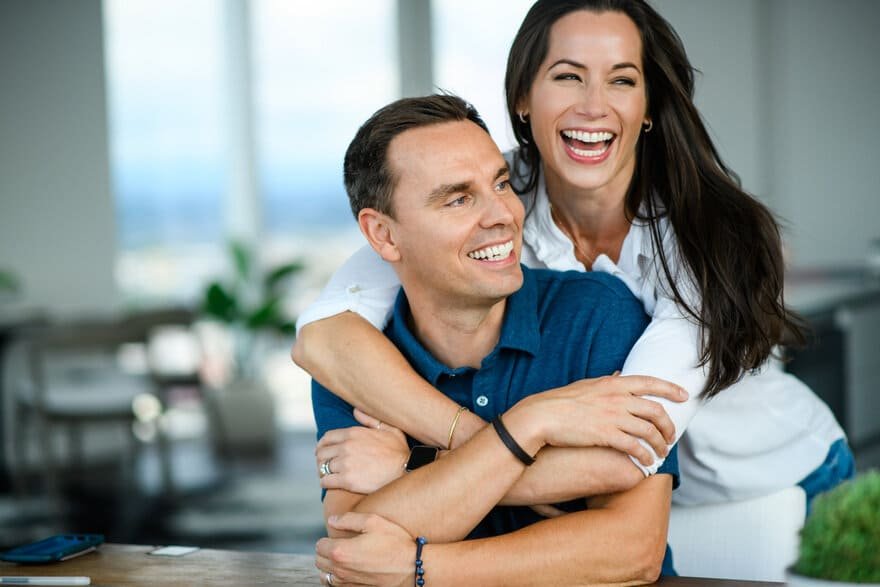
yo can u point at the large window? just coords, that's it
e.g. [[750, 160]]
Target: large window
[[167, 148], [318, 70], [471, 41]]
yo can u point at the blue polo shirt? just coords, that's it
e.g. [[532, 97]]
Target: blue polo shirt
[[559, 327]]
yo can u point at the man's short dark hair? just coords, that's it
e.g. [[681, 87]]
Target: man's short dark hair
[[368, 177]]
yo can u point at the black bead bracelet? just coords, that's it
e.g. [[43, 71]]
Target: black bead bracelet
[[420, 570]]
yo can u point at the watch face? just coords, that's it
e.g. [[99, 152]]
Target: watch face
[[421, 455]]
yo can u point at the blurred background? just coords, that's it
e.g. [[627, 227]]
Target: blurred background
[[171, 198]]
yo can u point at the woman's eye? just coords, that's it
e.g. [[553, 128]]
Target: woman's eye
[[568, 77], [624, 81]]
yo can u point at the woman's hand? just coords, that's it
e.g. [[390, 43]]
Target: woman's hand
[[382, 553], [604, 412], [362, 459]]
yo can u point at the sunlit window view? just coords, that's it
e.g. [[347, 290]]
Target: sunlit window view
[[471, 41], [167, 149]]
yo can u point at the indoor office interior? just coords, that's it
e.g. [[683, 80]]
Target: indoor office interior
[[171, 198]]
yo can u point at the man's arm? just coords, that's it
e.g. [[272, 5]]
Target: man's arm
[[420, 501], [620, 540]]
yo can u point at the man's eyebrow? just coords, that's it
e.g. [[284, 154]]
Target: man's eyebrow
[[616, 66], [442, 191]]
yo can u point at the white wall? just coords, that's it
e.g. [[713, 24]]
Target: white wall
[[722, 38], [824, 116], [57, 226], [790, 90]]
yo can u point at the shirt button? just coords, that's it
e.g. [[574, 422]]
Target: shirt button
[[482, 401]]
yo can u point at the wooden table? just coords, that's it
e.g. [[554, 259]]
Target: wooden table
[[122, 565]]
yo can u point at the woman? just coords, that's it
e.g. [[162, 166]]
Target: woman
[[619, 175]]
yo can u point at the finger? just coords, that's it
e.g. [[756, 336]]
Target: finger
[[630, 445], [547, 511], [646, 431], [331, 437], [366, 419], [645, 385], [654, 413], [350, 521], [327, 453]]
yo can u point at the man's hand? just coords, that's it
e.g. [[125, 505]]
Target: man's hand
[[603, 412], [362, 459], [382, 553]]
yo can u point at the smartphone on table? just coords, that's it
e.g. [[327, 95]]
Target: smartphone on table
[[55, 548]]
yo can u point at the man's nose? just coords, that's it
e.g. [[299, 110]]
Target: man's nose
[[498, 210]]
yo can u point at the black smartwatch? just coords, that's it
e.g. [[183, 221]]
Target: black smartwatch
[[421, 455]]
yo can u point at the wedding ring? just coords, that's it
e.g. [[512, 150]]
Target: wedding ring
[[329, 578], [324, 470]]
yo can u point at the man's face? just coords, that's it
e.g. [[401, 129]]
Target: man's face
[[458, 223]]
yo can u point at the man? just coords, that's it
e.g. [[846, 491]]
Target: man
[[431, 194]]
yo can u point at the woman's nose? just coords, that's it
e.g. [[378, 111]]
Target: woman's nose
[[592, 103]]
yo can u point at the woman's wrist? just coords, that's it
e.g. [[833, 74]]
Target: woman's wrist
[[524, 427]]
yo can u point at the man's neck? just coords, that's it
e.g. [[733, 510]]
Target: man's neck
[[460, 336]]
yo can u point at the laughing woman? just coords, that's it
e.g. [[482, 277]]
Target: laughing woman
[[618, 174]]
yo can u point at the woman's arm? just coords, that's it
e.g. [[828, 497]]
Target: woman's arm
[[359, 364], [668, 349]]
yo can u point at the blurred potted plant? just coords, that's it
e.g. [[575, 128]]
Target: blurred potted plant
[[840, 541], [251, 305], [9, 285]]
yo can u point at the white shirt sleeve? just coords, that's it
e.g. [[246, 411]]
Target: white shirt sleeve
[[668, 349], [365, 284]]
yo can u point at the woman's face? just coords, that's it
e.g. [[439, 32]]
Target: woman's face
[[588, 102]]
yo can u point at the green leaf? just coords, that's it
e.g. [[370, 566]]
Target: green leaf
[[241, 256], [219, 303], [266, 316], [287, 329], [277, 275], [8, 282]]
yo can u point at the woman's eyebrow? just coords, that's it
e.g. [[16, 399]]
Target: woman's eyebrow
[[615, 67]]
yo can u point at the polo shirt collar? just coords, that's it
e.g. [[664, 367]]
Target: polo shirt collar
[[519, 331]]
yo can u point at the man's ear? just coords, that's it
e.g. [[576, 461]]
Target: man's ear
[[379, 230]]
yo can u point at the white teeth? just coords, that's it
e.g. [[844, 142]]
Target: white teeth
[[585, 153], [494, 253], [588, 137]]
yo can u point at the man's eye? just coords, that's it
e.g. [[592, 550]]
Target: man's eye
[[460, 201], [503, 185]]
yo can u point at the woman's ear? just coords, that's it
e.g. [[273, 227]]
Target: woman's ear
[[379, 230]]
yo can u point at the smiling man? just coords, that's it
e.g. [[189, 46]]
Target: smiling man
[[430, 191]]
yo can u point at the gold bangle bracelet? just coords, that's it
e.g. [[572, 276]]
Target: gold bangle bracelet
[[454, 424]]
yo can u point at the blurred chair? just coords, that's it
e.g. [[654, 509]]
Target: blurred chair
[[754, 539], [74, 383]]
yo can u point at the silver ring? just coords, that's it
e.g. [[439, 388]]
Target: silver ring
[[329, 578], [324, 470]]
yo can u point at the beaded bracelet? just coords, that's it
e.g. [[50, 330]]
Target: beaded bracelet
[[420, 570]]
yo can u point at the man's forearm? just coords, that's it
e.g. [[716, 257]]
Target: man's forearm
[[563, 474], [621, 542], [362, 365], [447, 498]]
